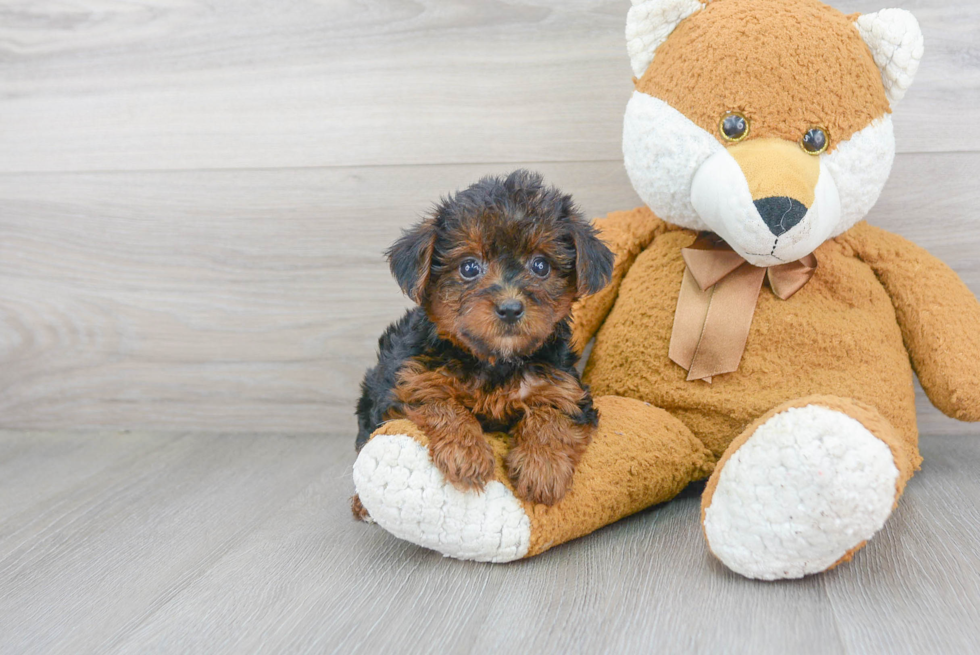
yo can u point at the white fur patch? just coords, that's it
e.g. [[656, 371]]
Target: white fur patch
[[860, 167], [662, 149], [408, 496], [649, 23], [895, 40], [807, 487]]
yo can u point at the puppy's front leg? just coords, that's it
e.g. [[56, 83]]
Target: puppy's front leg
[[456, 442], [556, 429]]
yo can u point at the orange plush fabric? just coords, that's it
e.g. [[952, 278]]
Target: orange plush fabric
[[839, 334], [937, 313], [627, 234], [640, 456], [817, 87]]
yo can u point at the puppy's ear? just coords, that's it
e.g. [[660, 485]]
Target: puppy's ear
[[593, 260], [410, 258]]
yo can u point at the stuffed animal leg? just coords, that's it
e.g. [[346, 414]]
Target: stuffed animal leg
[[804, 487], [640, 456]]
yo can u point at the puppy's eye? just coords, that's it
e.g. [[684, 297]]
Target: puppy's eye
[[540, 266], [815, 141], [470, 269], [734, 127]]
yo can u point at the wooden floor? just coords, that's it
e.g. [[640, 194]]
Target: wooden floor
[[137, 543]]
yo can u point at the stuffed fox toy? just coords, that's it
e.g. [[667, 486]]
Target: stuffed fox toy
[[756, 332]]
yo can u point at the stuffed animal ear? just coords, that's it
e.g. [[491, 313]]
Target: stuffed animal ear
[[895, 40], [593, 260], [648, 25], [410, 258]]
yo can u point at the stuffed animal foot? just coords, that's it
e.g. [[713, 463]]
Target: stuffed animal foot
[[804, 488], [639, 456]]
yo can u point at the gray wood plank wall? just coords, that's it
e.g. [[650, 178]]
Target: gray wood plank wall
[[194, 196]]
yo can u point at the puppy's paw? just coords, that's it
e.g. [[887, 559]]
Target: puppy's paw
[[467, 464], [540, 475]]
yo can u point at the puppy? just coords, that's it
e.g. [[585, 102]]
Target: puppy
[[495, 270]]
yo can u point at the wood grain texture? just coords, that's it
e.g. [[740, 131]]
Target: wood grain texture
[[194, 195], [102, 553], [204, 544], [252, 300], [185, 84]]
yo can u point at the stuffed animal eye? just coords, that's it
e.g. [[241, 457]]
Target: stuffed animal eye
[[815, 141], [470, 269], [540, 266], [734, 127]]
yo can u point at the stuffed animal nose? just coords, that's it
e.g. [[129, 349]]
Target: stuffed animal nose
[[780, 213], [510, 311]]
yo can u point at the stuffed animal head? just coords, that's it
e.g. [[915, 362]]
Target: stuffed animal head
[[767, 122]]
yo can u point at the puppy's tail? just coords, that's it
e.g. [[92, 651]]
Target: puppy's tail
[[365, 405]]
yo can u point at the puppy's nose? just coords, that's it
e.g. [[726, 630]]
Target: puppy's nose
[[510, 311], [780, 213]]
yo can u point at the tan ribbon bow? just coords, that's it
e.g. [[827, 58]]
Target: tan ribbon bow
[[717, 301]]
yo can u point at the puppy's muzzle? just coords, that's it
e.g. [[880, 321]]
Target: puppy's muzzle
[[510, 311]]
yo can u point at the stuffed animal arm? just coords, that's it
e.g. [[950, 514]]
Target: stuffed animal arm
[[938, 315], [627, 234]]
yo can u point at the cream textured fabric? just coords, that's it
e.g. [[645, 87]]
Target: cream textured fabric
[[807, 487], [860, 167], [649, 23], [662, 150], [409, 497], [896, 43]]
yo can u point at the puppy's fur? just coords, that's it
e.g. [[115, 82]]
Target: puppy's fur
[[495, 270]]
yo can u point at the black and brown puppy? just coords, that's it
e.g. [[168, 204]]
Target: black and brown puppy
[[495, 270]]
